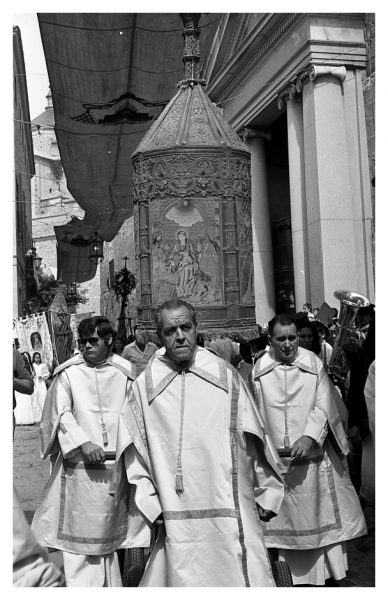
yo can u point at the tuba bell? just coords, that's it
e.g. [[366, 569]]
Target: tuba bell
[[350, 303]]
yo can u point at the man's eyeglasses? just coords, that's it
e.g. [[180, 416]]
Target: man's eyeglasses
[[93, 341]]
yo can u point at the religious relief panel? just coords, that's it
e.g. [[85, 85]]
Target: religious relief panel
[[246, 257], [186, 251]]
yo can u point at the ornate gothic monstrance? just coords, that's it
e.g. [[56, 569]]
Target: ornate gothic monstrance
[[192, 208]]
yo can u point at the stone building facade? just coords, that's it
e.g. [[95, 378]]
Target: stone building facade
[[53, 205], [294, 85], [299, 88], [24, 170]]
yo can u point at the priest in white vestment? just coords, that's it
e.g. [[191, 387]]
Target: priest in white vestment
[[191, 440], [77, 514], [320, 510]]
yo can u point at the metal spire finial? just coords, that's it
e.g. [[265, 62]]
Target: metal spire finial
[[191, 56]]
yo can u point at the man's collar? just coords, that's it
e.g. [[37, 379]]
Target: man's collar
[[114, 360], [162, 371], [267, 363]]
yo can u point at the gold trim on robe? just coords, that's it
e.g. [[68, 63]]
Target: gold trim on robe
[[77, 513], [213, 534]]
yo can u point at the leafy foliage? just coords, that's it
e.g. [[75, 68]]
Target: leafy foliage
[[48, 287]]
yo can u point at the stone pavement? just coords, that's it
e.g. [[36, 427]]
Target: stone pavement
[[31, 474]]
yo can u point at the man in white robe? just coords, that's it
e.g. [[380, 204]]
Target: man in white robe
[[320, 510], [191, 440], [79, 423]]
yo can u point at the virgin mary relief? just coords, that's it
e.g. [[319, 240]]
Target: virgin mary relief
[[186, 255]]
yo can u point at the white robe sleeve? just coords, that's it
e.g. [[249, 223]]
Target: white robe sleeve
[[146, 497], [316, 426], [70, 434], [268, 488]]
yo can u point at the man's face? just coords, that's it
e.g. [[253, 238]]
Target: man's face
[[94, 349], [284, 342], [305, 338], [178, 335]]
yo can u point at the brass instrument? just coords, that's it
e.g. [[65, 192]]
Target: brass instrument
[[350, 303]]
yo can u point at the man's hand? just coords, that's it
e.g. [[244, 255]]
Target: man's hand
[[301, 448], [92, 452], [265, 514]]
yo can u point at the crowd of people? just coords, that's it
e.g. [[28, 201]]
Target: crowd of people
[[216, 457]]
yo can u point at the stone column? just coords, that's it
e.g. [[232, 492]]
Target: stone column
[[261, 228], [297, 196], [331, 234]]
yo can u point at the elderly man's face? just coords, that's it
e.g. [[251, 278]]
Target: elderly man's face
[[284, 342], [178, 335]]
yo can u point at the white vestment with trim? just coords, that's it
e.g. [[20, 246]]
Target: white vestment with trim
[[207, 417], [77, 514], [320, 509]]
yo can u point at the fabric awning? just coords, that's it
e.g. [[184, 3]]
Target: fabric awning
[[110, 76]]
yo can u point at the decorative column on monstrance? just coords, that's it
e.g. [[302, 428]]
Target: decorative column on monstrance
[[192, 208]]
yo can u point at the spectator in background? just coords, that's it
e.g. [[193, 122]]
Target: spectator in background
[[200, 340], [308, 335], [140, 351], [118, 346], [326, 349], [360, 358], [22, 379], [307, 308], [24, 410], [258, 346], [224, 347], [41, 373]]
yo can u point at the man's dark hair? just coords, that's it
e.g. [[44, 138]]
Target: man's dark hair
[[102, 324], [283, 320], [200, 340], [245, 351], [172, 305], [308, 304]]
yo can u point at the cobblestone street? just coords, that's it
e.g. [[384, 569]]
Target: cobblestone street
[[31, 474]]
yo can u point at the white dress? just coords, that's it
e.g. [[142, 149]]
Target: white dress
[[24, 413], [40, 390]]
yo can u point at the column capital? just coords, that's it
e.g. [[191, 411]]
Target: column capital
[[294, 88], [321, 70], [288, 93], [249, 133]]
